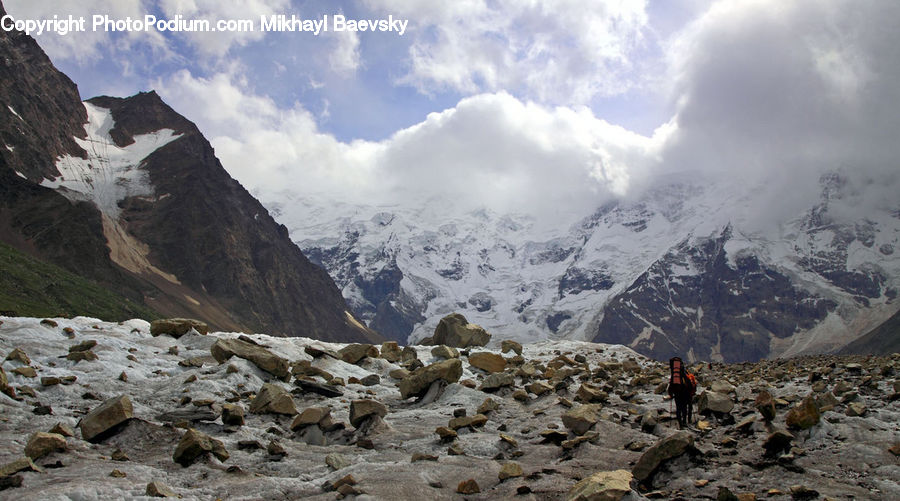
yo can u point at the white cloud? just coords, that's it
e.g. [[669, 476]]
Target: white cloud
[[553, 51], [217, 44], [344, 59], [489, 150], [779, 92]]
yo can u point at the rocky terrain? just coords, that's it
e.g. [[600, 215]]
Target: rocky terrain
[[96, 410]]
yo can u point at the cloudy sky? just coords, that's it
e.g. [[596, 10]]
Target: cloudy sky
[[547, 106]]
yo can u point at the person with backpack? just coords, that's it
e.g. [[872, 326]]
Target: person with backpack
[[682, 386]]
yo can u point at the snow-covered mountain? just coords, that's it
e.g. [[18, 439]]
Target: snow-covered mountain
[[688, 269]]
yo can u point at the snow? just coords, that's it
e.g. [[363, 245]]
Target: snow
[[14, 113], [110, 173], [519, 266], [20, 175]]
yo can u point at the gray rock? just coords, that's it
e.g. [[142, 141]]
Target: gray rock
[[454, 330], [663, 450], [224, 349], [177, 327]]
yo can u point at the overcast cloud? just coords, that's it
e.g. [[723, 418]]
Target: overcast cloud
[[762, 91]]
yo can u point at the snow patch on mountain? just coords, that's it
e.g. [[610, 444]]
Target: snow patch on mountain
[[110, 173]]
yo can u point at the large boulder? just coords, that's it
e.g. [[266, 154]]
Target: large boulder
[[194, 444], [177, 327], [224, 349], [360, 410], [417, 383], [803, 415], [602, 486], [40, 444], [273, 399], [580, 419], [667, 448], [454, 330], [106, 417], [353, 353], [711, 401], [391, 352], [487, 361]]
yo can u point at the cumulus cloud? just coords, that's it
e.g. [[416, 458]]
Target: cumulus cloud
[[344, 58], [559, 52], [489, 150]]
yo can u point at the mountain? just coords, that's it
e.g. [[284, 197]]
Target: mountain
[[883, 339], [128, 193], [690, 268]]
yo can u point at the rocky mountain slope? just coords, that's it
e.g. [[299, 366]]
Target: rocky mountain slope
[[687, 269], [96, 410], [129, 193]]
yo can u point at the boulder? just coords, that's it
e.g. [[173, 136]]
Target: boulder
[[602, 486], [588, 393], [508, 345], [326, 390], [580, 419], [497, 381], [856, 409], [454, 330], [40, 444], [711, 401], [62, 429], [83, 346], [310, 416], [765, 404], [26, 371], [194, 444], [22, 464], [803, 415], [159, 490], [826, 401], [5, 388], [420, 380], [444, 351], [476, 421], [305, 368], [469, 486], [391, 352], [539, 388], [18, 355], [224, 349], [667, 448], [353, 353], [777, 441], [360, 410], [487, 361], [273, 399], [177, 327], [233, 414], [106, 417], [510, 470]]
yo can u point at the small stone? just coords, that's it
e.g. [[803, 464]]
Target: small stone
[[160, 490], [40, 444], [390, 351], [777, 441], [489, 405], [233, 414], [273, 399], [336, 461], [444, 351], [418, 456], [353, 353], [194, 444], [123, 377], [487, 361], [856, 409], [177, 327], [18, 355], [446, 434], [765, 404], [41, 409], [804, 415], [345, 480], [521, 395], [78, 356], [509, 440], [701, 483], [580, 419], [83, 346], [62, 429], [370, 380], [119, 455], [510, 470], [469, 486], [803, 492], [28, 372], [455, 450], [117, 474], [604, 485], [275, 448], [310, 416], [508, 345], [50, 381]]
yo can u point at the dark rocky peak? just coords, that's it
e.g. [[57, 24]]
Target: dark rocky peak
[[40, 107], [142, 113]]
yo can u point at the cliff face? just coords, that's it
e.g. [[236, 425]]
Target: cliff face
[[129, 193]]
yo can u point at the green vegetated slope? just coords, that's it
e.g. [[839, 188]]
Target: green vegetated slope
[[882, 340], [33, 288]]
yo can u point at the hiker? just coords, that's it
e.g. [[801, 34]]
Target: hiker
[[682, 386]]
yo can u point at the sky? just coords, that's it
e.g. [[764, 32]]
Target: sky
[[549, 107]]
